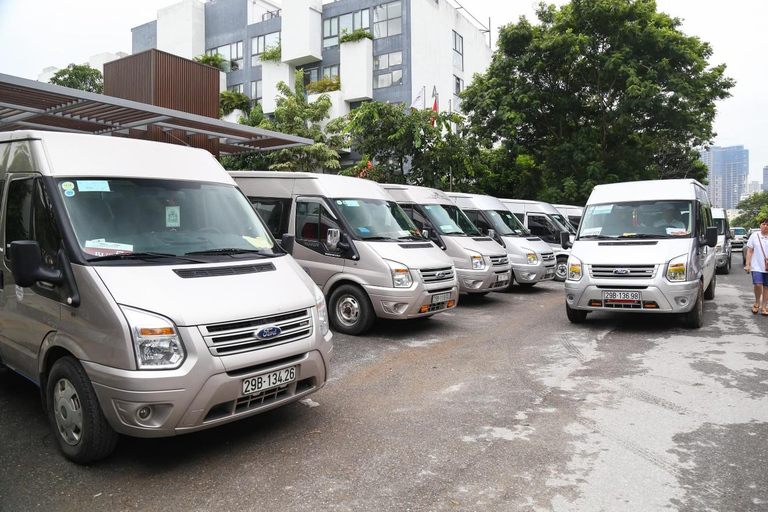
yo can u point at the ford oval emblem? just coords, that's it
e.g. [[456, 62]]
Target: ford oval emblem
[[621, 271], [441, 274], [269, 332]]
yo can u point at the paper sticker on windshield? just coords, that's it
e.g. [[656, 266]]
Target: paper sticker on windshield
[[349, 202], [363, 231], [676, 231], [602, 210], [92, 186], [591, 231], [258, 242], [172, 216], [100, 247]]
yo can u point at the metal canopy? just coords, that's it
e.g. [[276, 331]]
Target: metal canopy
[[27, 104]]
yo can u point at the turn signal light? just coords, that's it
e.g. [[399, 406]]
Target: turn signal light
[[451, 303], [157, 331], [424, 309]]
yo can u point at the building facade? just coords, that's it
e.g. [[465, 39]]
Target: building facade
[[728, 174], [429, 48], [96, 62]]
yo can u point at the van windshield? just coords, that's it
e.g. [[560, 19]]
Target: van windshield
[[377, 219], [450, 220], [739, 231], [505, 223], [642, 219], [132, 216], [720, 223]]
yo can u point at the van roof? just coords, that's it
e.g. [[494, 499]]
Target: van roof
[[70, 154], [718, 213], [416, 194], [479, 201], [526, 205], [651, 190], [328, 185]]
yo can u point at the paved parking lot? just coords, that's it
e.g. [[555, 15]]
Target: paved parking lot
[[501, 404]]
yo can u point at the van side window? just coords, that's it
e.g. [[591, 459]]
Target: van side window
[[418, 219], [44, 227], [521, 218], [313, 220], [18, 215], [274, 212], [538, 226], [30, 217], [478, 220], [5, 155]]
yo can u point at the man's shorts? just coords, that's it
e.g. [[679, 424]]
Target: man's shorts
[[760, 278]]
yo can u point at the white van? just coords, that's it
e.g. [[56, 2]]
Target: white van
[[571, 213], [142, 293], [482, 264], [356, 244], [544, 221], [723, 247], [643, 247], [531, 259]]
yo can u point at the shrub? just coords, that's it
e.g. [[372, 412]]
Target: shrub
[[325, 84], [354, 36], [272, 54]]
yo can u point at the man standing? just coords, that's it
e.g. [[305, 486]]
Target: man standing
[[757, 253]]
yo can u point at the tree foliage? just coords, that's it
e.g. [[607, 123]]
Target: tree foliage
[[215, 61], [230, 101], [82, 77], [600, 91], [753, 208]]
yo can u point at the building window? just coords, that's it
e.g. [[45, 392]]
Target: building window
[[334, 27], [387, 60], [232, 54], [458, 51], [256, 92], [387, 20], [458, 85], [388, 79], [261, 43], [236, 88], [310, 75], [331, 71]]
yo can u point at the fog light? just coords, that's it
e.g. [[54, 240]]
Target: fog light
[[569, 297], [682, 301], [527, 275], [471, 283], [394, 308], [144, 413]]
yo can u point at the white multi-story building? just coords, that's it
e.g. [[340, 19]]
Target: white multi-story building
[[432, 47], [96, 62]]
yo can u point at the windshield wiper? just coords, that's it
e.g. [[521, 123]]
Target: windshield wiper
[[229, 251], [377, 238], [411, 237], [644, 236], [143, 256], [596, 237]]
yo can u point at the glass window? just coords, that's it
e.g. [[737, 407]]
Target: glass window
[[720, 224], [386, 60], [313, 220], [256, 92], [274, 213], [458, 85], [387, 20], [641, 219], [388, 79], [338, 25], [330, 32], [18, 224], [310, 75], [44, 227], [261, 43], [231, 53], [450, 220], [331, 71], [377, 219], [236, 88], [502, 219], [458, 51]]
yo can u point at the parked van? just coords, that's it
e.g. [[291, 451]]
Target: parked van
[[482, 265], [142, 293], [356, 244], [531, 259], [571, 213], [723, 247], [643, 247], [544, 221]]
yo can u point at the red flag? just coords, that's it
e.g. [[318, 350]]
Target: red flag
[[434, 109]]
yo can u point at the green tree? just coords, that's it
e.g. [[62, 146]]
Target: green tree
[[248, 161], [753, 208], [80, 77], [230, 101], [600, 91]]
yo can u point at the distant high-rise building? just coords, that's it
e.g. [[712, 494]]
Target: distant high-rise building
[[765, 178], [754, 187], [728, 174]]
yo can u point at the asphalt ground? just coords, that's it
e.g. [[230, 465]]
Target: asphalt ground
[[500, 404]]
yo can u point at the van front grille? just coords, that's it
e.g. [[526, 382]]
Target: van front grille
[[622, 271], [257, 333], [436, 275], [499, 261], [548, 257]]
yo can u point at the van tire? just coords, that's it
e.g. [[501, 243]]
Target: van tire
[[709, 293], [79, 426], [561, 269], [725, 269], [351, 310], [576, 316], [694, 319]]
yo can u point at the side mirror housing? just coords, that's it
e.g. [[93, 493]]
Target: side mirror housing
[[332, 239], [27, 265], [491, 233], [565, 240], [425, 233], [287, 243], [711, 236]]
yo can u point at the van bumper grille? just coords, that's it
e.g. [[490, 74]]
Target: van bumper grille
[[437, 275], [247, 335], [623, 271]]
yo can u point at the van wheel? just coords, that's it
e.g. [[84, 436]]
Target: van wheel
[[352, 310], [695, 317], [727, 265], [709, 293], [82, 431], [561, 269], [576, 316]]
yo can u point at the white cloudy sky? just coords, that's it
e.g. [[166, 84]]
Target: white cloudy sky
[[35, 34]]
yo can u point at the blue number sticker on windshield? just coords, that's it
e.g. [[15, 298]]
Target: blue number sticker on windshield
[[350, 203], [69, 193], [92, 185], [602, 209]]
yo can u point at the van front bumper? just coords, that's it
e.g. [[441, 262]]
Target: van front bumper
[[482, 281], [526, 274], [404, 303], [656, 297]]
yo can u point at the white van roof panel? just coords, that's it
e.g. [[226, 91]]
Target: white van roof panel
[[526, 205], [416, 194], [327, 185], [478, 201], [653, 190]]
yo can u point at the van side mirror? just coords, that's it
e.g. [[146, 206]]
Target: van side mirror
[[492, 233], [27, 265], [425, 233], [287, 243], [565, 240], [332, 239], [711, 236]]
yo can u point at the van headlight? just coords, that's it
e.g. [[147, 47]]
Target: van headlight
[[322, 310], [401, 276], [574, 268], [718, 248], [532, 258], [677, 269], [156, 340], [477, 260]]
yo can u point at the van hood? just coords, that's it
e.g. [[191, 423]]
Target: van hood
[[641, 252], [482, 244], [414, 255], [190, 301], [536, 244]]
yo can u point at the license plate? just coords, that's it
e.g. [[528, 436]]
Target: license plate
[[253, 385], [441, 297], [621, 295], [502, 277], [550, 272]]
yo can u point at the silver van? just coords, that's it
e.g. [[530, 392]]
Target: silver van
[[482, 264], [544, 221], [723, 247], [356, 244], [531, 259], [643, 247], [142, 293]]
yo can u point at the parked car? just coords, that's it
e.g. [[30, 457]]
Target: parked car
[[643, 247], [143, 294], [723, 247]]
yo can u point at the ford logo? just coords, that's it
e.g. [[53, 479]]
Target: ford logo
[[621, 271], [441, 274], [268, 332]]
